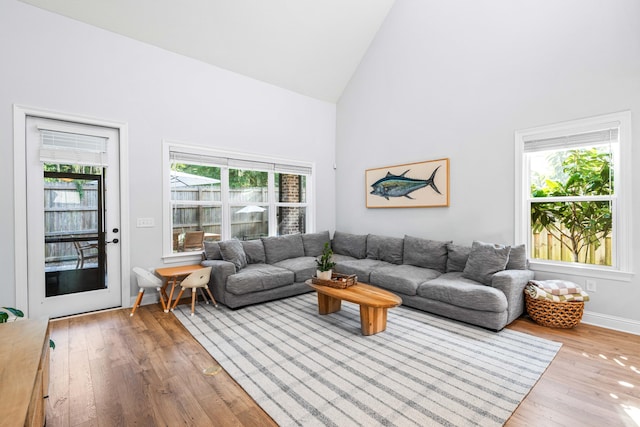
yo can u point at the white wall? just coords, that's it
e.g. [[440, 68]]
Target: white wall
[[55, 63], [455, 79]]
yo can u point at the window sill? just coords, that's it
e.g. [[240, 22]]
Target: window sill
[[182, 257], [581, 270]]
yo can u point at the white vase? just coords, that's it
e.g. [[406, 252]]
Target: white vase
[[323, 275]]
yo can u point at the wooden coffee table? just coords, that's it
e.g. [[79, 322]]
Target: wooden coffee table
[[373, 303]]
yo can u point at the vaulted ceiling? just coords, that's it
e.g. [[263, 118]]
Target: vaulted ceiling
[[311, 47]]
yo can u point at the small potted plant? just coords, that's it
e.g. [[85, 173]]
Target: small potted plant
[[325, 263]]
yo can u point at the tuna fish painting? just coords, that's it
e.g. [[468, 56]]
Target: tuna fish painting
[[422, 184], [401, 186]]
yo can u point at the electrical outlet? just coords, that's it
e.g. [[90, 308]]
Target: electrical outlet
[[145, 222], [591, 285]]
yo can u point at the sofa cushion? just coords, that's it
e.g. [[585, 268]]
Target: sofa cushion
[[254, 250], [403, 279], [485, 259], [258, 277], [360, 267], [457, 256], [304, 268], [314, 243], [425, 253], [341, 258], [212, 250], [385, 248], [517, 258], [354, 245], [454, 289], [232, 251], [278, 248]]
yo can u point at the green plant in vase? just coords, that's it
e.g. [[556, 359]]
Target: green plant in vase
[[325, 263]]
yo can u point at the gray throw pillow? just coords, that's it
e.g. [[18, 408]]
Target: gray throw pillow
[[517, 258], [232, 251], [353, 245], [485, 259], [212, 250], [426, 253], [254, 250], [457, 256], [278, 248], [314, 243], [385, 248]]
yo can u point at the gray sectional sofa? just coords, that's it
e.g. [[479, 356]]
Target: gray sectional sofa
[[482, 284]]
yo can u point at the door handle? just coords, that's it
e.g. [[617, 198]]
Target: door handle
[[113, 241]]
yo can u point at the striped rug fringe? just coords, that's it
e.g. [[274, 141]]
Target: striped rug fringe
[[306, 369]]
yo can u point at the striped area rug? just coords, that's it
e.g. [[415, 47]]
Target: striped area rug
[[306, 369]]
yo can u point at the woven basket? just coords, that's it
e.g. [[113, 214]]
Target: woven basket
[[554, 314], [340, 281]]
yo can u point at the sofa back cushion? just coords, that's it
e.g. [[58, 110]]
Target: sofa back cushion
[[353, 245], [314, 243], [457, 256], [425, 253], [384, 248], [278, 248], [485, 260], [212, 250], [233, 252], [254, 250]]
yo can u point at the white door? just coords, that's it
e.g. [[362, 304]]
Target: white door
[[73, 217]]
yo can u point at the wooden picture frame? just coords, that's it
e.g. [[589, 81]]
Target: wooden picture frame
[[410, 185]]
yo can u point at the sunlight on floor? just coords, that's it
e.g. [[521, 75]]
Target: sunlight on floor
[[633, 412]]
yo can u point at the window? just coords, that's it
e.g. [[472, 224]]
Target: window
[[573, 180], [215, 195]]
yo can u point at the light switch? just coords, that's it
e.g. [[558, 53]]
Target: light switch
[[145, 222]]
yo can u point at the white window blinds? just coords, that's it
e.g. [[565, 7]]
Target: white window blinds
[[534, 143], [238, 163], [72, 148]]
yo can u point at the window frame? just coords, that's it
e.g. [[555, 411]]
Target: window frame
[[170, 146], [621, 209]]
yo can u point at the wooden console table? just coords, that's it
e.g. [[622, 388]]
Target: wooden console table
[[24, 372]]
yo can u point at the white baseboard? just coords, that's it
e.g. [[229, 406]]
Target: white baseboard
[[611, 322]]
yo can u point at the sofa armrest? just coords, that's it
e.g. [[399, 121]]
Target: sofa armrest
[[512, 283], [219, 273]]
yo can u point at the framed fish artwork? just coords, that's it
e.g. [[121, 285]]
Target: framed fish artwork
[[411, 185]]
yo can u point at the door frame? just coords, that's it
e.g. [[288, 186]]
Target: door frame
[[20, 114]]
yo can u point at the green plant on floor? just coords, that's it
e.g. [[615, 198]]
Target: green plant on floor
[[7, 313], [325, 263]]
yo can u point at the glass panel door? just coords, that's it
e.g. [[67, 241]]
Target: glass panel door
[[73, 231]]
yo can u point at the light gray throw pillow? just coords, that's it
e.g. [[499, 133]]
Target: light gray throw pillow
[[485, 259], [457, 256], [517, 258], [232, 251], [212, 250], [425, 253]]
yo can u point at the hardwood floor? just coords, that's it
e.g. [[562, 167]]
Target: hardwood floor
[[109, 369]]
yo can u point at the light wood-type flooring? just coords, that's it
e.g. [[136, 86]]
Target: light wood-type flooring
[[109, 369]]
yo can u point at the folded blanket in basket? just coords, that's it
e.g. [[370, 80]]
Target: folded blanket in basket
[[557, 287], [539, 293]]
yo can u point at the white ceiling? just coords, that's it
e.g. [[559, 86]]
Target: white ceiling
[[312, 47]]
